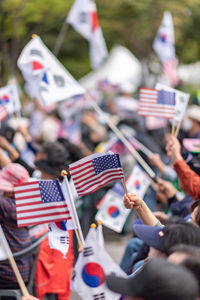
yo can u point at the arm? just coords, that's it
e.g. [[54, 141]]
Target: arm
[[144, 213], [4, 144], [4, 160], [189, 179]]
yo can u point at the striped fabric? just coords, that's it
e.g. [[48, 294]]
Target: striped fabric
[[94, 171], [156, 103], [40, 202]]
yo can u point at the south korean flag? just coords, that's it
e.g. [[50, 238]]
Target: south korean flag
[[59, 237], [46, 78]]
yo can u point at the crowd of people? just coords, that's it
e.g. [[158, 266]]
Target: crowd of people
[[162, 260]]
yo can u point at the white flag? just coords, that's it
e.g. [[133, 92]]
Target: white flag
[[165, 48], [91, 269], [9, 98], [181, 100], [46, 78], [164, 41], [138, 182], [5, 251], [59, 237], [83, 17], [100, 237], [111, 210]]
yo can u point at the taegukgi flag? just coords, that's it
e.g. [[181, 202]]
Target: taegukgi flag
[[83, 17], [59, 237], [46, 78], [91, 269], [165, 48], [9, 101], [111, 210]]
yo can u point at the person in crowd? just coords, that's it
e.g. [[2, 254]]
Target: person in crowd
[[18, 237], [189, 179], [158, 279]]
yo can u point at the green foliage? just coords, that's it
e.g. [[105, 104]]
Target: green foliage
[[131, 23]]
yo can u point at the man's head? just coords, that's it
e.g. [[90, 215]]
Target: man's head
[[163, 239], [158, 279]]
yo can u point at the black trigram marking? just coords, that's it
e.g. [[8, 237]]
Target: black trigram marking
[[50, 229], [59, 80], [36, 52], [83, 17], [100, 296], [73, 275], [88, 251], [64, 240]]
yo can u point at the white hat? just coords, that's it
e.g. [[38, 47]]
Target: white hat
[[193, 112]]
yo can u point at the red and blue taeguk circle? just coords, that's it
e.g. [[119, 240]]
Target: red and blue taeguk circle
[[62, 225], [113, 211], [137, 184], [93, 275]]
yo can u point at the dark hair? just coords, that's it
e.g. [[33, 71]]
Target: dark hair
[[73, 151], [182, 233], [187, 249], [193, 264], [197, 215], [194, 164]]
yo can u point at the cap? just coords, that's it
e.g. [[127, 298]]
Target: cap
[[193, 112], [158, 279], [151, 235], [12, 174]]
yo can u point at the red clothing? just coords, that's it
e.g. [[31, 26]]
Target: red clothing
[[53, 272], [189, 179]]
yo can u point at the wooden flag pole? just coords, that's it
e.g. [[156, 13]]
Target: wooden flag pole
[[134, 153], [177, 129], [13, 263], [173, 127], [124, 185], [76, 224], [60, 38]]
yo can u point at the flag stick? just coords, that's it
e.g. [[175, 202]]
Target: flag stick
[[60, 38], [13, 263], [173, 128], [177, 129], [134, 153], [124, 185], [79, 233], [138, 144]]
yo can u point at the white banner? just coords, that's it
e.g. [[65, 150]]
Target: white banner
[[46, 78]]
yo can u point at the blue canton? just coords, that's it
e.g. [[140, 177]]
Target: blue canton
[[166, 98], [106, 162], [50, 191]]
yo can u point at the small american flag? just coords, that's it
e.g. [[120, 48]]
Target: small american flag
[[156, 103], [40, 202], [3, 113], [94, 171]]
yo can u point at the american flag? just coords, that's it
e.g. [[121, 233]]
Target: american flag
[[40, 202], [156, 103], [3, 113], [94, 171]]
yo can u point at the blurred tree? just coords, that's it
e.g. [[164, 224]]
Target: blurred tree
[[131, 23]]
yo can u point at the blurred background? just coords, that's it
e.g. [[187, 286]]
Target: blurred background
[[129, 23]]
